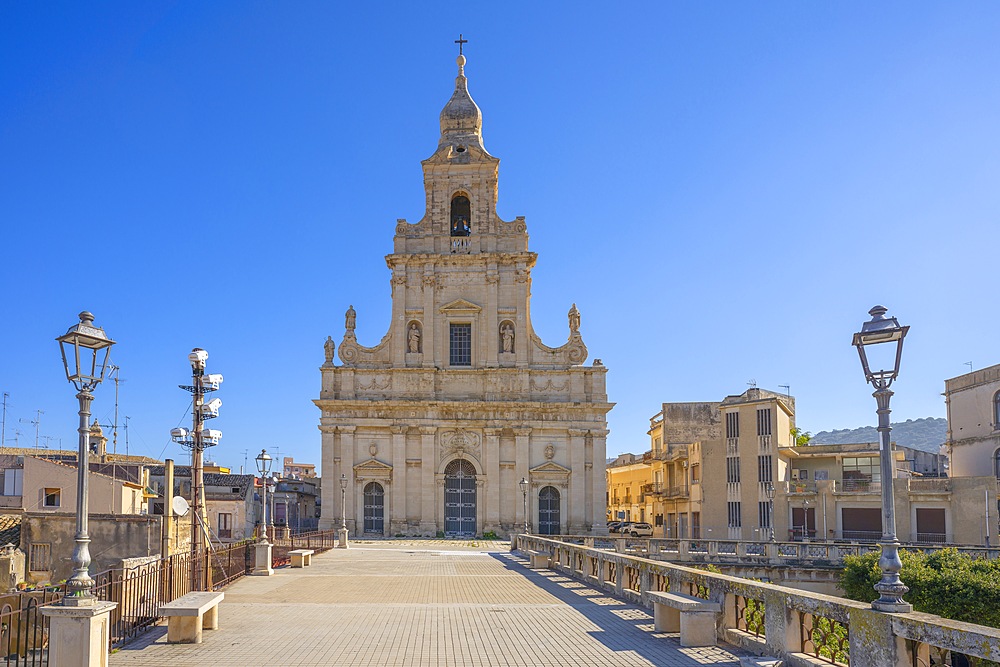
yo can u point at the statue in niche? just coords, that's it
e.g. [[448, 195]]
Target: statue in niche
[[413, 338], [329, 347], [507, 337], [350, 318], [574, 319]]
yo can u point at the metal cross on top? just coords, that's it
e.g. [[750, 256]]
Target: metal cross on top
[[460, 43]]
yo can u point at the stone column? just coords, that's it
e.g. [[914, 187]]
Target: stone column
[[397, 522], [521, 460], [329, 516], [428, 490], [78, 636], [600, 448], [577, 479], [491, 461], [346, 468]]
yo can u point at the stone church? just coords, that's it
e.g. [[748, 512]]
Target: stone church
[[435, 426]]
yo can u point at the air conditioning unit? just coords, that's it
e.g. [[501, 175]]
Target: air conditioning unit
[[800, 474], [795, 475]]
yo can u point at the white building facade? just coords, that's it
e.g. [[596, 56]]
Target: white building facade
[[434, 427]]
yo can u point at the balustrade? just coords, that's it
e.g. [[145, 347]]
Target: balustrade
[[798, 626]]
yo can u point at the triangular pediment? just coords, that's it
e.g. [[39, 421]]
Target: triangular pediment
[[460, 306], [372, 465], [549, 468]]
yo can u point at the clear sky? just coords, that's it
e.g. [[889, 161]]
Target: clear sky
[[724, 189]]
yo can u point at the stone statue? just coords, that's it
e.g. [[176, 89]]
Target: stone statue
[[413, 338], [329, 347], [507, 336], [349, 318], [574, 319]]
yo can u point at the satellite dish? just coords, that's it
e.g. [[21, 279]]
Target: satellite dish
[[180, 506]]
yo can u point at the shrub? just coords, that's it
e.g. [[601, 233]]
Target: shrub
[[946, 583]]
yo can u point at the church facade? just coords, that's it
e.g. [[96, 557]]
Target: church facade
[[460, 419]]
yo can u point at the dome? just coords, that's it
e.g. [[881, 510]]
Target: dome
[[460, 116]]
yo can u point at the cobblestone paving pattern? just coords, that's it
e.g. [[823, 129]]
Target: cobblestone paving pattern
[[422, 603]]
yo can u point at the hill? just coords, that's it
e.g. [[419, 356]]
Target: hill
[[926, 434]]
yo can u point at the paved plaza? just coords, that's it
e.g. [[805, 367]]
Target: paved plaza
[[421, 603]]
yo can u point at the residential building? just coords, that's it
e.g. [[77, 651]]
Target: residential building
[[291, 468], [973, 403], [34, 484], [229, 501], [436, 424], [835, 492], [628, 476], [295, 503]]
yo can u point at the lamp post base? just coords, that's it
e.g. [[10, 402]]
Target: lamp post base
[[342, 539], [78, 636], [262, 560]]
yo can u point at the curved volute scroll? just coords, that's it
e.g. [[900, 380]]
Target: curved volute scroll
[[572, 353], [353, 354]]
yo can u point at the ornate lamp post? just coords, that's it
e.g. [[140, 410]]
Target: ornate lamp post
[[85, 349], [342, 532], [877, 331], [264, 462], [262, 550], [769, 492], [524, 494]]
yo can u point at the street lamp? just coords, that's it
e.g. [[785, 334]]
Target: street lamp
[[769, 492], [82, 347], [264, 462], [877, 331], [524, 493], [342, 533]]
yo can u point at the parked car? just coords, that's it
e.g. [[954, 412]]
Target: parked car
[[623, 527], [640, 530], [613, 526]]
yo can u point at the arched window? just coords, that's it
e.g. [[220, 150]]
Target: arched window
[[461, 216], [996, 463]]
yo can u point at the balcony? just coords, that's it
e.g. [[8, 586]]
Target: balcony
[[857, 486], [800, 486], [931, 485], [678, 491], [764, 442], [673, 452], [653, 488]]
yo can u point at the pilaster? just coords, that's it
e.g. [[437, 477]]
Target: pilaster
[[599, 481], [577, 479], [428, 525], [397, 521], [521, 464], [491, 456], [346, 468]]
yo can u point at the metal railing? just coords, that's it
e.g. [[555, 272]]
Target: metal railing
[[857, 486], [794, 625], [24, 632]]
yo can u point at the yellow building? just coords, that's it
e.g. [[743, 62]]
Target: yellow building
[[627, 477]]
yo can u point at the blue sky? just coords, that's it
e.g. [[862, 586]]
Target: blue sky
[[748, 179]]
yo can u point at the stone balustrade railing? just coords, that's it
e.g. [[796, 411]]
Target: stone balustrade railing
[[747, 552], [800, 627]]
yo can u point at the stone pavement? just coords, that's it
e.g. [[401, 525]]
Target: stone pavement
[[421, 603]]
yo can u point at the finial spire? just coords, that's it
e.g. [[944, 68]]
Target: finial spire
[[461, 42]]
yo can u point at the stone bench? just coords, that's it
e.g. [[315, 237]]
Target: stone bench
[[693, 617], [189, 614], [301, 557], [539, 559]]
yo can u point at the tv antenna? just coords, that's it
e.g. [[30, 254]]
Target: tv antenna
[[787, 388], [35, 422], [48, 441], [752, 383], [969, 364], [16, 438], [3, 424]]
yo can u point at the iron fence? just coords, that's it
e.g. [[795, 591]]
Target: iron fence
[[24, 632]]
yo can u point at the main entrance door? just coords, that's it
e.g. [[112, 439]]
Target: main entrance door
[[374, 508], [548, 511], [460, 498]]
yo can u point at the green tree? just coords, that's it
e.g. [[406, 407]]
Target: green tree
[[800, 438]]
